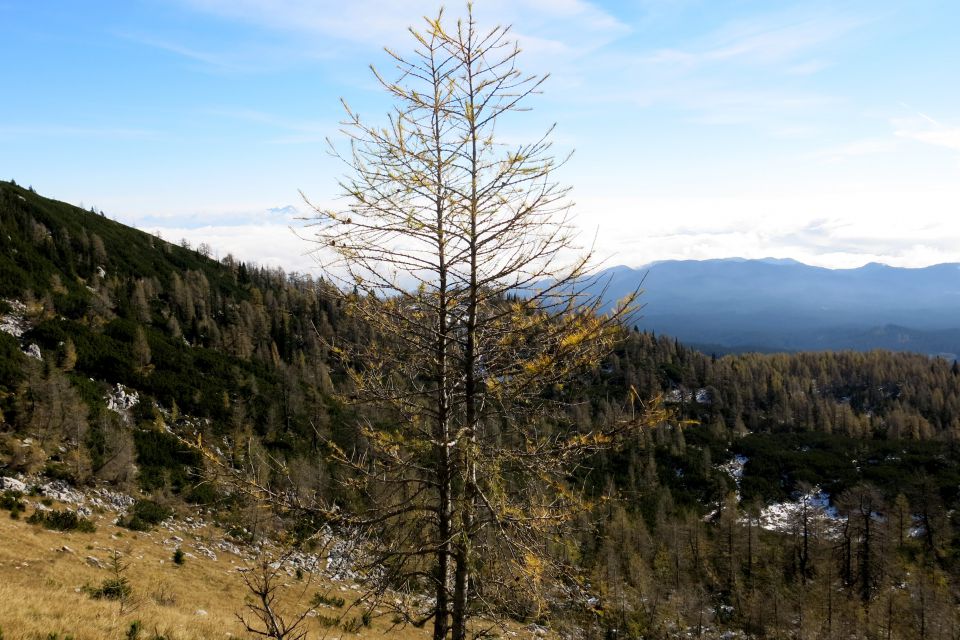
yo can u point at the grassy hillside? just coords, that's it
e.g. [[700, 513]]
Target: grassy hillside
[[46, 578]]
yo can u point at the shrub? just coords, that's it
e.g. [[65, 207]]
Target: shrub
[[164, 461], [144, 515], [178, 556], [112, 589], [329, 601], [62, 521], [164, 597], [10, 500], [327, 621], [116, 587], [60, 471], [353, 625], [133, 633]]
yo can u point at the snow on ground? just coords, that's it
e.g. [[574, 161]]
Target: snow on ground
[[15, 322], [682, 394], [734, 468], [784, 516]]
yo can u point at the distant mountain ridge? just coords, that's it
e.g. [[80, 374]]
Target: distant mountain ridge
[[773, 304]]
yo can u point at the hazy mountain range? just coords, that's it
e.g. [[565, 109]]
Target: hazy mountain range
[[774, 305]]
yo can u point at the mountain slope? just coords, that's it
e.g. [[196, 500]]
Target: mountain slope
[[785, 305], [142, 340]]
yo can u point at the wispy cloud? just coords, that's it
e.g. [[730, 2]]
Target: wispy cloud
[[250, 57], [807, 68], [290, 130], [210, 59], [856, 149], [756, 71], [766, 40], [927, 130], [72, 131], [545, 26], [764, 107]]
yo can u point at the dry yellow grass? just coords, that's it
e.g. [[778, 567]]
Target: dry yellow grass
[[42, 587]]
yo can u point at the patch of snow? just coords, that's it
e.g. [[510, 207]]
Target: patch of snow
[[734, 468], [15, 322], [682, 394], [784, 516], [917, 531], [674, 396]]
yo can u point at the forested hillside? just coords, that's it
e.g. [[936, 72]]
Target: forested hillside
[[802, 495]]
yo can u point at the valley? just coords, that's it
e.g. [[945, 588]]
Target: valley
[[780, 494]]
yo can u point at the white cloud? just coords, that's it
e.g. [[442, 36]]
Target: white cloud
[[222, 217], [807, 68], [753, 72], [378, 23], [925, 129], [296, 131], [856, 148], [267, 244], [258, 56], [833, 229], [766, 40]]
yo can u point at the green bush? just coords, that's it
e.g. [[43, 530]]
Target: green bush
[[144, 515], [10, 501], [179, 557], [164, 461], [327, 621], [330, 601], [60, 471], [112, 589], [62, 521], [354, 624], [133, 633]]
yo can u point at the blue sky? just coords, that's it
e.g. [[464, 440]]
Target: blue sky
[[824, 131]]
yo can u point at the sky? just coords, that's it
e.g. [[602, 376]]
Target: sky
[[827, 132]]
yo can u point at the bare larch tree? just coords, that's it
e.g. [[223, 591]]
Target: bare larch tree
[[460, 253]]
